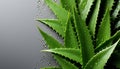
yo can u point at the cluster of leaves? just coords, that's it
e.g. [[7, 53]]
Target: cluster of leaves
[[88, 27]]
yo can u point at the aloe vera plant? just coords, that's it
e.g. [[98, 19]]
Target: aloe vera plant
[[90, 41]]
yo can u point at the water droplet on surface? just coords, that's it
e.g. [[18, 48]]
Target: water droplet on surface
[[40, 1], [49, 63], [45, 46]]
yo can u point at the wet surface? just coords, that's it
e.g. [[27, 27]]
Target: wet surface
[[20, 41]]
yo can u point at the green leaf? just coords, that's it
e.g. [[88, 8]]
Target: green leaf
[[99, 60], [117, 25], [64, 63], [104, 30], [71, 53], [70, 37], [60, 12], [54, 24], [84, 8], [84, 37], [106, 43], [116, 11], [109, 4], [68, 4], [52, 43], [93, 19]]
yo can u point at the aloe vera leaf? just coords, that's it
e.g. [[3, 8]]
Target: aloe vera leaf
[[52, 43], [93, 19], [117, 25], [84, 8], [106, 43], [105, 5], [60, 12], [51, 68], [70, 37], [109, 4], [84, 37], [64, 63], [104, 30], [54, 24], [116, 11], [71, 53], [99, 60], [68, 4]]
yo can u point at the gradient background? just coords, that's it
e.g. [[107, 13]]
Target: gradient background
[[20, 41]]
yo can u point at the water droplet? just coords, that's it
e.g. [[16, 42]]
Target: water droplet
[[40, 1], [45, 46], [49, 64]]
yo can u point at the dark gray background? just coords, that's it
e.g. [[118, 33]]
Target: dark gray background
[[20, 41]]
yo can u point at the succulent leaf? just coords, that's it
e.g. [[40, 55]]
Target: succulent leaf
[[70, 38], [117, 26], [116, 11], [52, 43], [54, 24], [84, 37], [104, 30], [60, 12], [93, 19], [109, 4], [99, 60], [68, 4], [106, 43], [71, 53], [64, 63], [84, 8]]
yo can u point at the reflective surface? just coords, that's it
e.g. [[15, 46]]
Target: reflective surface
[[20, 42]]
